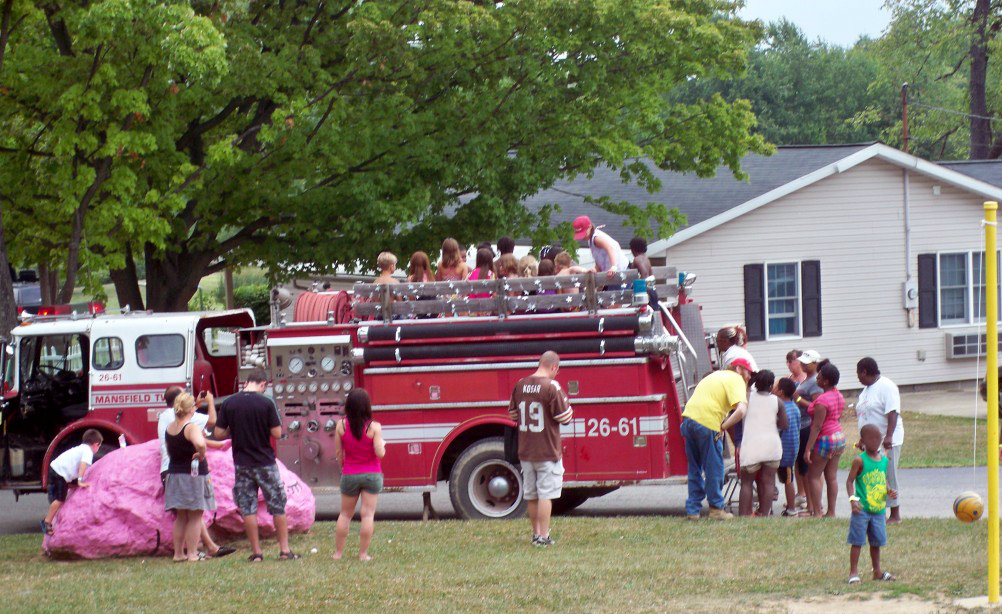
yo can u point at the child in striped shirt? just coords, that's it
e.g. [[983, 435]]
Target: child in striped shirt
[[790, 436]]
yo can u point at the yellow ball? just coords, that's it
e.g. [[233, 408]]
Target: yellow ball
[[968, 507]]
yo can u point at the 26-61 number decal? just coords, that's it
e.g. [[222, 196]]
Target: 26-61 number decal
[[595, 427]]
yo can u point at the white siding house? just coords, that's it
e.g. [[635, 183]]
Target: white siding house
[[852, 222], [814, 252]]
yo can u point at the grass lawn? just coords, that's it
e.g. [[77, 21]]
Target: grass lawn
[[599, 565], [930, 441]]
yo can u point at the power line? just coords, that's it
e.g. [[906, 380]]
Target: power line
[[954, 112]]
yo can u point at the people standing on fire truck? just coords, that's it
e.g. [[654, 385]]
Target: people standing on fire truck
[[250, 418], [731, 345], [386, 262], [506, 245], [703, 424], [358, 447], [483, 271], [419, 270], [188, 489], [452, 266], [604, 249], [204, 421], [538, 406]]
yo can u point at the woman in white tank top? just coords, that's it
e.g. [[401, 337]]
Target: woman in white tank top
[[761, 446]]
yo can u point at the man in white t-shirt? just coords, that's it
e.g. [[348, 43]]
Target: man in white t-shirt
[[67, 468], [879, 404]]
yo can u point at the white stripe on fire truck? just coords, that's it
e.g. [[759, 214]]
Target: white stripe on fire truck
[[436, 433], [650, 398], [488, 366]]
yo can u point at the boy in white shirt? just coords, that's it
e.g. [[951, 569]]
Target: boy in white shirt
[[68, 467]]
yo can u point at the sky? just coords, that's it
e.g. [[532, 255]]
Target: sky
[[840, 22]]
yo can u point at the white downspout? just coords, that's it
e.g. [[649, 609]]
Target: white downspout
[[910, 288]]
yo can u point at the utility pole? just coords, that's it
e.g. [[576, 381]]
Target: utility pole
[[904, 115]]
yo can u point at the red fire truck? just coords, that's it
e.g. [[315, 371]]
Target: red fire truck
[[438, 364], [440, 367]]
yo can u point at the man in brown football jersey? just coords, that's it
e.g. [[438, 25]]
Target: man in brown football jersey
[[539, 407]]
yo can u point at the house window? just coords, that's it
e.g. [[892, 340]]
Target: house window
[[782, 290], [961, 288], [783, 300]]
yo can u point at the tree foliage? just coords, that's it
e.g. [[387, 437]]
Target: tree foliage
[[193, 136], [801, 92]]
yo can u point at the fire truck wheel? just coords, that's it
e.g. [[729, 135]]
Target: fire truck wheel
[[483, 485]]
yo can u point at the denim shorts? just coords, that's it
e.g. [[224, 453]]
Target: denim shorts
[[354, 483], [865, 525]]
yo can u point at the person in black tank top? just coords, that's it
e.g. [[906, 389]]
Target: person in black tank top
[[186, 493]]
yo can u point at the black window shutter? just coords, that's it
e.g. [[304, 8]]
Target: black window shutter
[[810, 292], [928, 314], [755, 301]]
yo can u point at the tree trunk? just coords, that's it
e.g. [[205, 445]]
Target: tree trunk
[[47, 282], [8, 309], [126, 282], [172, 279], [981, 130]]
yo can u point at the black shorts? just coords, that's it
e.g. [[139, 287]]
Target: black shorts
[[57, 487], [805, 434]]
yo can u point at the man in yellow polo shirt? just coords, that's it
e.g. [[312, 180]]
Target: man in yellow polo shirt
[[703, 423]]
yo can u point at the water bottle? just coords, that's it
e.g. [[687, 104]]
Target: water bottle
[[194, 467]]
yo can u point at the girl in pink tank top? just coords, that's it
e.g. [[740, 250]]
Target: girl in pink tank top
[[359, 445]]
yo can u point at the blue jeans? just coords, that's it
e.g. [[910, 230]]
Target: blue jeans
[[706, 458]]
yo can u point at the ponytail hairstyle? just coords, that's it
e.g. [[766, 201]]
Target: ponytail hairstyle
[[183, 404], [735, 334], [358, 411]]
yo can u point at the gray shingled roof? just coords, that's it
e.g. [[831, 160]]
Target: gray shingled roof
[[699, 199], [989, 171]]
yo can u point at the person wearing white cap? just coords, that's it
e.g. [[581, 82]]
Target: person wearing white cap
[[806, 392], [604, 249]]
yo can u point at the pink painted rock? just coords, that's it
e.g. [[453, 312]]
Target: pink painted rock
[[122, 512]]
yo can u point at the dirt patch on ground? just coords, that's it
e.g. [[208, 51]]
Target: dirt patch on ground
[[859, 604]]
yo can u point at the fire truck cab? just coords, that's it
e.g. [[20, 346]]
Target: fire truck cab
[[65, 374]]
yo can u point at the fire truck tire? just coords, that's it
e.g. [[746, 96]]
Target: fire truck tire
[[483, 485]]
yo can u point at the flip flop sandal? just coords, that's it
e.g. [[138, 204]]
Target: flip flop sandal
[[256, 558], [886, 577], [224, 550], [854, 580], [203, 556], [288, 556]]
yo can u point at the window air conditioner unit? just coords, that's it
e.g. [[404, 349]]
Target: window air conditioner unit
[[966, 345]]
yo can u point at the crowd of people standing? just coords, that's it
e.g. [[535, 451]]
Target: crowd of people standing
[[790, 427]]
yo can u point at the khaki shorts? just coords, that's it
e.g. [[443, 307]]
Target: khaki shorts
[[542, 480], [753, 468]]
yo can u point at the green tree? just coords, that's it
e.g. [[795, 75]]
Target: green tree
[[944, 50], [801, 92], [193, 136]]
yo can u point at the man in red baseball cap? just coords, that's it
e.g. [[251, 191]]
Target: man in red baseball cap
[[605, 250], [703, 424]]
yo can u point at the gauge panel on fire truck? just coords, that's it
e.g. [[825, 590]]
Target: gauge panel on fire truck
[[311, 374]]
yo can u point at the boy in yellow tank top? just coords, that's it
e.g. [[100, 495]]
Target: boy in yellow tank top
[[867, 488]]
